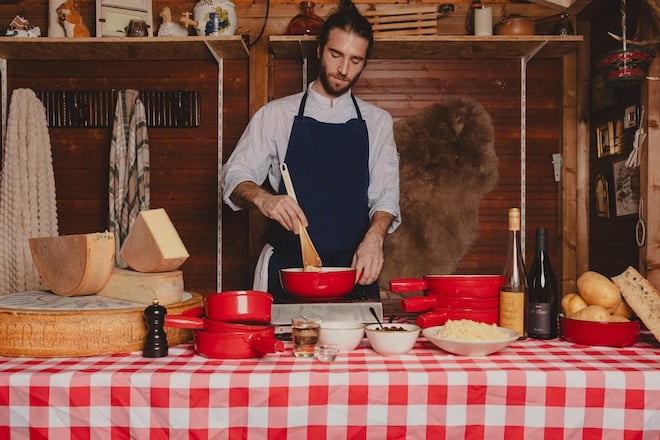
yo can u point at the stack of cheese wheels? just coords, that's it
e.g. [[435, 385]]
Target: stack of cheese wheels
[[154, 252], [73, 265]]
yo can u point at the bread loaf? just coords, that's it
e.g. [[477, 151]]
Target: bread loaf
[[642, 297], [153, 244]]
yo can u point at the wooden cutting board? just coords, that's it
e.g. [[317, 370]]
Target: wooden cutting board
[[42, 324]]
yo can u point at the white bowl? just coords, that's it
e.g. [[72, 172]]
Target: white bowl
[[469, 347], [346, 334], [388, 342]]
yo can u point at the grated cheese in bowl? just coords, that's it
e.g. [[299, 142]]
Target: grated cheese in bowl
[[471, 330]]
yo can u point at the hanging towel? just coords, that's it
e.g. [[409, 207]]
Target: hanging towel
[[28, 207], [129, 167]]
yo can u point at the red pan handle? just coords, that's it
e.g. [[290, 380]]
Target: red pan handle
[[263, 345], [184, 321], [419, 303], [431, 319], [408, 285]]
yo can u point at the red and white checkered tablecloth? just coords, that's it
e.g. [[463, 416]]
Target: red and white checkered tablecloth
[[532, 389]]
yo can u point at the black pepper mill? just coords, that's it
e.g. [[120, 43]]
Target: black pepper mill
[[155, 344]]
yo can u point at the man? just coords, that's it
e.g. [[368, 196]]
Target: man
[[341, 156]]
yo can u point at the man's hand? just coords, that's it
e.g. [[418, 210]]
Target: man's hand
[[369, 258], [281, 208]]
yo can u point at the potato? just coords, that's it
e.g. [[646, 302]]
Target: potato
[[572, 303], [598, 290], [592, 313], [615, 317], [624, 309]]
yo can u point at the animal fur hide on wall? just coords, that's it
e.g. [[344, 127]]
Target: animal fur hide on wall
[[448, 164]]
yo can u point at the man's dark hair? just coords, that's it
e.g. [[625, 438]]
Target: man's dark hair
[[348, 18]]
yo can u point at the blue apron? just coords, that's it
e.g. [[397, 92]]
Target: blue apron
[[329, 168]]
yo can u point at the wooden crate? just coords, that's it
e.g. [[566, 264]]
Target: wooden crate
[[404, 21]]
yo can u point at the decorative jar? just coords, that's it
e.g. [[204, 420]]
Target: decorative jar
[[306, 22], [215, 17]]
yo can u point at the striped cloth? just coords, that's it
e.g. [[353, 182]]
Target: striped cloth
[[531, 390], [129, 167]]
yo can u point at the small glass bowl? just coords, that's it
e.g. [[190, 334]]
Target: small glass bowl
[[326, 352]]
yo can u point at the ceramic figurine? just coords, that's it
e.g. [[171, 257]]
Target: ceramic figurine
[[168, 28], [20, 27], [71, 20]]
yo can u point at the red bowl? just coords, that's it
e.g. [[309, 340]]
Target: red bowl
[[608, 334], [329, 284]]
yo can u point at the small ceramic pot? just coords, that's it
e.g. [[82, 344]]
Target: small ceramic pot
[[215, 17]]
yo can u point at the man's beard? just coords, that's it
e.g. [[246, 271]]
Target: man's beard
[[329, 89]]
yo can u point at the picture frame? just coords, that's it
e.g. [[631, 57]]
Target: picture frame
[[602, 197], [626, 188], [605, 140]]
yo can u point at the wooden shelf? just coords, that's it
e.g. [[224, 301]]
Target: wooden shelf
[[441, 46], [123, 49]]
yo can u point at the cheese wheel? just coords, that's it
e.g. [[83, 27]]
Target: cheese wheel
[[153, 244], [143, 288], [40, 324], [73, 265]]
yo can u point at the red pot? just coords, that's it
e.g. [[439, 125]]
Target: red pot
[[239, 306], [329, 284], [471, 286], [440, 315], [234, 345], [427, 302]]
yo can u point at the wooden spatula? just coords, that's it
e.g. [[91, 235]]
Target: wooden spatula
[[311, 259]]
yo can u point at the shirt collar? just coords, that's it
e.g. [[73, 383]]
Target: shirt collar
[[325, 102]]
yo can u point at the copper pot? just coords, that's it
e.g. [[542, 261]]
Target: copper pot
[[515, 25]]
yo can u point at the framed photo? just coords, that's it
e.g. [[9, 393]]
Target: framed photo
[[602, 197], [605, 140], [630, 117], [626, 188]]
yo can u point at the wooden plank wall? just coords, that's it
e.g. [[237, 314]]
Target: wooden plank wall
[[184, 161], [404, 87]]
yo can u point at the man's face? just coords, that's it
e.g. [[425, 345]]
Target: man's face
[[342, 61]]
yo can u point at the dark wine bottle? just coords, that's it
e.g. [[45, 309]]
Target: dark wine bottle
[[542, 285], [513, 293]]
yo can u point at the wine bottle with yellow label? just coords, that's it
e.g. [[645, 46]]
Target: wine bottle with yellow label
[[513, 293]]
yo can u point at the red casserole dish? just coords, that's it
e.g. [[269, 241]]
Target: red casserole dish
[[439, 316], [234, 345], [427, 302], [472, 286]]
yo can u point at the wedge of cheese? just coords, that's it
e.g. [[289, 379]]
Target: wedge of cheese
[[153, 244], [73, 265], [143, 288]]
